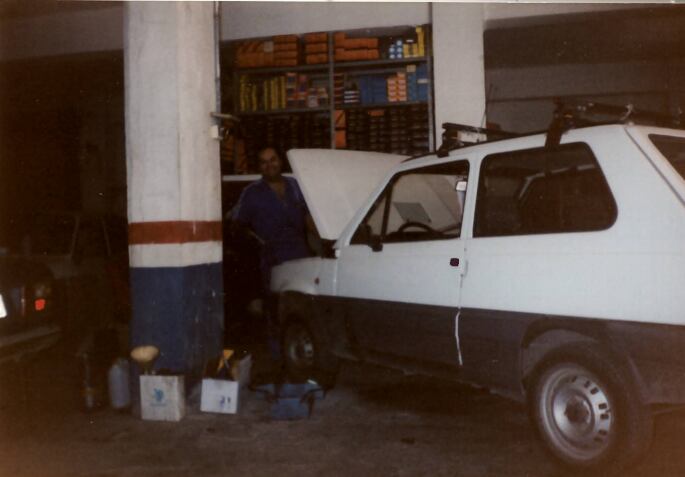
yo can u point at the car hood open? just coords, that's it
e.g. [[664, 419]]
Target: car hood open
[[336, 183]]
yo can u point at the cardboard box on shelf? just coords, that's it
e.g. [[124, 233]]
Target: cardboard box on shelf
[[285, 46], [316, 58], [355, 55], [358, 43], [285, 39], [318, 37], [420, 41], [340, 139], [339, 38], [340, 119], [286, 54], [316, 48]]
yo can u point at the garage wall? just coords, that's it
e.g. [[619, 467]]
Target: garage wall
[[62, 33], [61, 118], [101, 29], [256, 19], [518, 13], [521, 99], [627, 57]]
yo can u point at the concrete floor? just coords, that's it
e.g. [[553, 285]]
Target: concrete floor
[[375, 422]]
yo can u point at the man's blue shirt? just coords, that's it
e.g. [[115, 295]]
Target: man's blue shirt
[[280, 223]]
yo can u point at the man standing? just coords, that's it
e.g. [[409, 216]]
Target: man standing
[[275, 211]]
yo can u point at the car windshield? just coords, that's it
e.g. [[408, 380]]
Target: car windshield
[[673, 149], [38, 234]]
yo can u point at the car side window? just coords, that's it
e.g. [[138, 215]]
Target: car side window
[[540, 191], [421, 204]]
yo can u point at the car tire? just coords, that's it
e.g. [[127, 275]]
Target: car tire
[[587, 410], [305, 356]]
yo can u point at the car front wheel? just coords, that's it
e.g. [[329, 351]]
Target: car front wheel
[[305, 356]]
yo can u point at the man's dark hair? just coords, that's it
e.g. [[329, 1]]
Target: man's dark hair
[[264, 147]]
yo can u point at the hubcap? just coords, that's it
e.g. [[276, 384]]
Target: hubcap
[[576, 412], [300, 347]]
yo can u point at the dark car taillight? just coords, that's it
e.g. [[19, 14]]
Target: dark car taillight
[[41, 295]]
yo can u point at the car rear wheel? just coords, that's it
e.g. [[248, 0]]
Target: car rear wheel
[[586, 410]]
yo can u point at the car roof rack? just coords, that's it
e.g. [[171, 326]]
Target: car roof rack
[[568, 114], [572, 114], [451, 137]]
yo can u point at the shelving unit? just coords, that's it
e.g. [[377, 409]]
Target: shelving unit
[[382, 104]]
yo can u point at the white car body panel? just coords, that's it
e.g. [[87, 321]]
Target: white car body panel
[[424, 277], [297, 275], [631, 271]]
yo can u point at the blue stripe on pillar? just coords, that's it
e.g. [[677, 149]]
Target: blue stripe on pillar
[[179, 310]]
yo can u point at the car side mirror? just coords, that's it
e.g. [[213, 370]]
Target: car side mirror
[[376, 243]]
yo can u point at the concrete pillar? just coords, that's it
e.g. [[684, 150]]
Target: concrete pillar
[[174, 182], [459, 70]]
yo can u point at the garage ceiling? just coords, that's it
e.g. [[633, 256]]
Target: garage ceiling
[[33, 8], [638, 34]]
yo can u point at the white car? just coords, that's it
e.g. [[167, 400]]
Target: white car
[[551, 274]]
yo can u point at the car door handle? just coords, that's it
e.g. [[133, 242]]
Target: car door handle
[[454, 262]]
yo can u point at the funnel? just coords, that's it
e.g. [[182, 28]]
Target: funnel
[[145, 356]]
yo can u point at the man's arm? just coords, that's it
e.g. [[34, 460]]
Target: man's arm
[[240, 217]]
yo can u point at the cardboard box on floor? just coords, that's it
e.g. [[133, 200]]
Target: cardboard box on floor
[[223, 395], [162, 398]]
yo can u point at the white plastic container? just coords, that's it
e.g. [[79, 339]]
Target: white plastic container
[[118, 381]]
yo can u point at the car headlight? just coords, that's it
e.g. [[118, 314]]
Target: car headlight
[[3, 310]]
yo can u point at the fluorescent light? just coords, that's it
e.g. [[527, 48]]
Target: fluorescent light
[[3, 310]]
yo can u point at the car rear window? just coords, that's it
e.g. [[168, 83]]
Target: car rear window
[[673, 149], [542, 191]]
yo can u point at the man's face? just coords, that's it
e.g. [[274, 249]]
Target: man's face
[[269, 164]]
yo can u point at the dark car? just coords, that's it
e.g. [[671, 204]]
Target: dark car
[[88, 256], [27, 315]]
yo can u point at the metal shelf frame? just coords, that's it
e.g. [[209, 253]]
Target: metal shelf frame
[[277, 112], [379, 105]]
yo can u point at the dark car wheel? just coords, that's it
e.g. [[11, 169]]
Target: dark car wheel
[[304, 355], [586, 410]]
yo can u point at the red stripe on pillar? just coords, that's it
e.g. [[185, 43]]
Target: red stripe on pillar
[[179, 231]]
